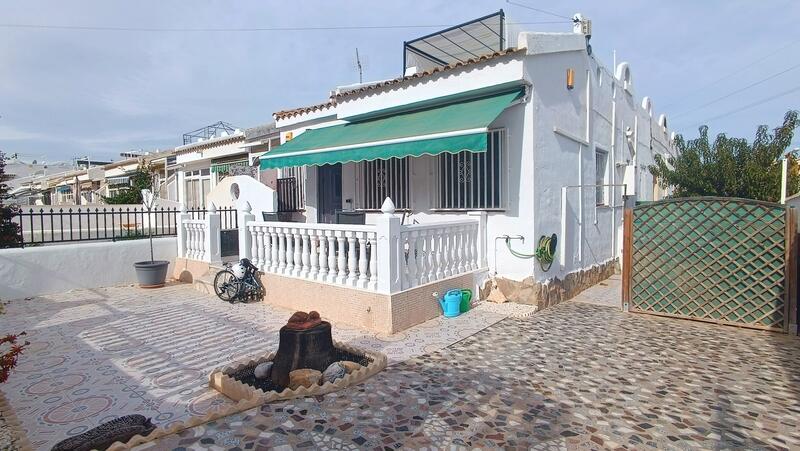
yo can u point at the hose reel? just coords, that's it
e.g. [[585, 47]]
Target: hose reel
[[544, 254]]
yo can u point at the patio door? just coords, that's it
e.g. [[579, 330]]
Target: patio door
[[329, 192]]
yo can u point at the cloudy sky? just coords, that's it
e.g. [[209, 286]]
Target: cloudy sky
[[74, 92]]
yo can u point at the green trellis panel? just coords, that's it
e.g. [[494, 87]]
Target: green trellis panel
[[713, 259]]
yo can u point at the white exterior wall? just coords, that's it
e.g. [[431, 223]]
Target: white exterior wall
[[551, 142], [58, 268]]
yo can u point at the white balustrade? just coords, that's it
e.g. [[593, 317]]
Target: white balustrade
[[351, 255], [195, 231], [438, 250], [340, 254]]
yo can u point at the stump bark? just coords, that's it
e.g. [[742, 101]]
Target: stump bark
[[311, 348]]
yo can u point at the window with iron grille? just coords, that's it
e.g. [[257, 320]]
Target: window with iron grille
[[380, 179], [292, 188], [600, 165], [472, 180]]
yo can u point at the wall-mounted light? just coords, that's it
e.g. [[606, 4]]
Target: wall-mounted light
[[570, 78]]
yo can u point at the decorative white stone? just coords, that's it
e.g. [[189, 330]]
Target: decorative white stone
[[335, 371], [263, 370]]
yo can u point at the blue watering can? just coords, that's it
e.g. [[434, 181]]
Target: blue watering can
[[451, 303]]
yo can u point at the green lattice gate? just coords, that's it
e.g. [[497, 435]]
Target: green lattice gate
[[721, 260]]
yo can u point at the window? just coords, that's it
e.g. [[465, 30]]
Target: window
[[292, 188], [472, 180], [380, 179], [198, 185], [600, 168]]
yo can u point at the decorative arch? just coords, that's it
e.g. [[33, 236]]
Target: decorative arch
[[623, 73], [647, 105], [662, 121]]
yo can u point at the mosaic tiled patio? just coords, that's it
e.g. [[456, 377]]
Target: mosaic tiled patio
[[580, 375]]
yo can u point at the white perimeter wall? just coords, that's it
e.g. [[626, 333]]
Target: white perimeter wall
[[62, 267]]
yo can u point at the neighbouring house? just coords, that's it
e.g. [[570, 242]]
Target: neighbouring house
[[201, 164], [487, 143]]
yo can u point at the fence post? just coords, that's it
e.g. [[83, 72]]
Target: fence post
[[245, 216], [387, 228], [212, 242], [790, 271], [482, 219], [627, 258], [183, 215]]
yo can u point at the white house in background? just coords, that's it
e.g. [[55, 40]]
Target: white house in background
[[200, 165], [488, 142]]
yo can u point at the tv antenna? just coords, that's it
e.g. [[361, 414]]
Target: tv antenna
[[359, 67]]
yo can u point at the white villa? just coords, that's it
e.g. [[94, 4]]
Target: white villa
[[486, 143]]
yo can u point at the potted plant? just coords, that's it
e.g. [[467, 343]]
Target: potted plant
[[153, 273]]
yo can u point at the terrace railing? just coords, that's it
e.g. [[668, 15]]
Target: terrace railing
[[384, 257], [45, 225]]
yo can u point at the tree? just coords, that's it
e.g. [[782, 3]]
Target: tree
[[9, 230], [141, 178], [731, 167]]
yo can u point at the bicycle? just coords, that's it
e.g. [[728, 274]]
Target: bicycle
[[238, 282]]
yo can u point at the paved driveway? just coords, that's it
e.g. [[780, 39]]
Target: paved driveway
[[98, 354], [576, 376]]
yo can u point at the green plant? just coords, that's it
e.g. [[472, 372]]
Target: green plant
[[141, 178], [732, 167], [9, 230]]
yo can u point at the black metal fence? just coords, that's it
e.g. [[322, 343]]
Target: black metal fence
[[43, 225], [287, 194]]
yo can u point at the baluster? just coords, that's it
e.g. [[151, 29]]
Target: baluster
[[332, 261], [431, 242], [461, 249], [253, 246], [193, 234], [201, 242], [341, 249], [281, 249], [289, 251], [352, 261], [373, 260], [323, 255], [298, 252], [422, 256], [362, 260], [473, 246], [437, 238], [267, 262], [450, 236], [274, 248], [260, 247], [306, 254], [188, 230], [413, 275], [314, 258]]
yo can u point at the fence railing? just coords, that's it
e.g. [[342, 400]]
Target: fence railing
[[45, 225], [385, 257], [337, 254]]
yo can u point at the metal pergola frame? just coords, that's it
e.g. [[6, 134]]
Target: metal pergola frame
[[408, 45], [207, 132]]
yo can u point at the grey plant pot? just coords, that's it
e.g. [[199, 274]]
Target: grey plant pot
[[151, 274]]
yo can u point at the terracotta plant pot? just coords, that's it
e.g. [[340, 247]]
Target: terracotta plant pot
[[151, 274]]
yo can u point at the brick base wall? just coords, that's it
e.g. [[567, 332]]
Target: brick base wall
[[364, 309]]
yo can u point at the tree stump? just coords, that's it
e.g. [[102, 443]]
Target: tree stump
[[310, 348]]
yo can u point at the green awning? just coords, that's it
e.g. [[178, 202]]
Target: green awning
[[224, 167], [449, 128]]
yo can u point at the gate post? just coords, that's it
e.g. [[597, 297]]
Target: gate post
[[245, 216], [627, 257], [790, 274]]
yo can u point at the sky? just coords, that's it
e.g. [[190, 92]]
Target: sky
[[68, 93]]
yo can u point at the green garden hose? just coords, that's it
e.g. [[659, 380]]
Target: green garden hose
[[545, 251]]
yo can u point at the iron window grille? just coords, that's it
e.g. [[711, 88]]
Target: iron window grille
[[473, 180], [293, 194], [379, 179]]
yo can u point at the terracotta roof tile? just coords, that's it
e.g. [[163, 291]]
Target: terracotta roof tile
[[334, 98], [426, 73]]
